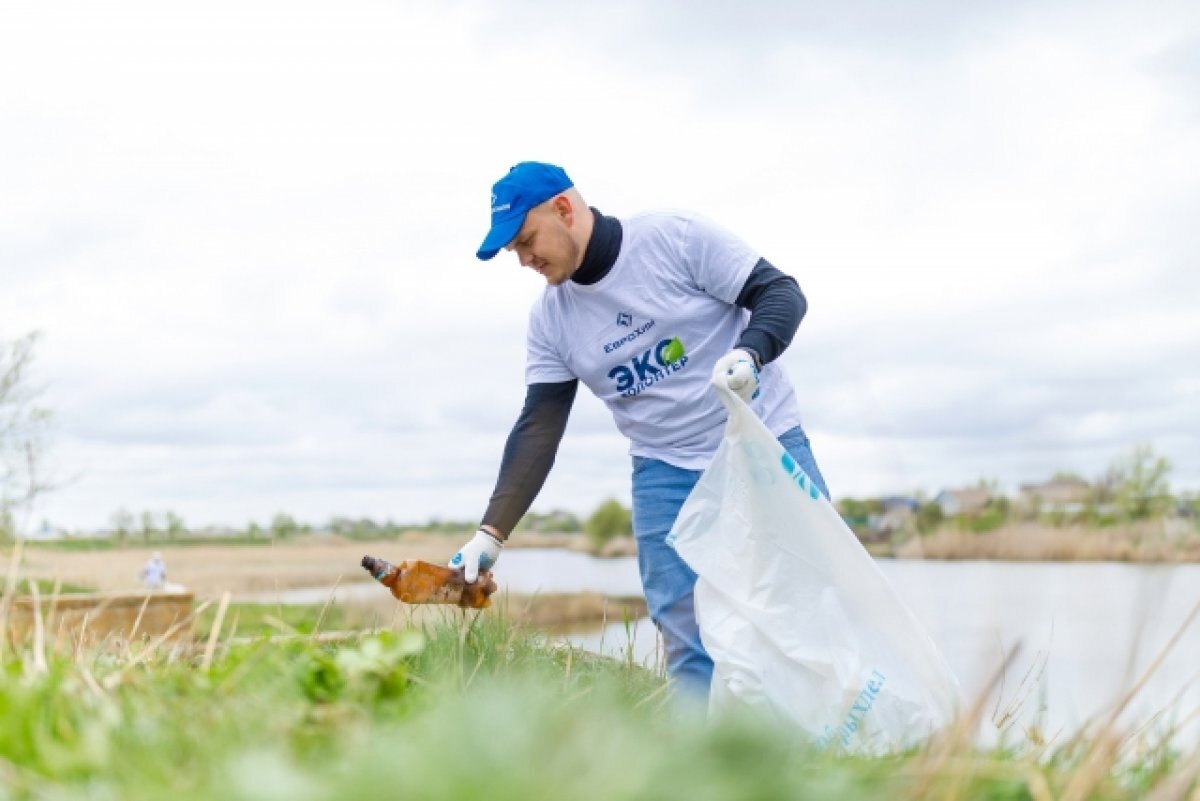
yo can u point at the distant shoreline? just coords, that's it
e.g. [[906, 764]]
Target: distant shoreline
[[1149, 542], [321, 560]]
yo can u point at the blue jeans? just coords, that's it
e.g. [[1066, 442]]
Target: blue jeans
[[659, 490]]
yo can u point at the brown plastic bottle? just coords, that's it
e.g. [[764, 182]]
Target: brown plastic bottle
[[417, 582]]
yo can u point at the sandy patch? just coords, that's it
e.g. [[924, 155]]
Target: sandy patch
[[210, 570]]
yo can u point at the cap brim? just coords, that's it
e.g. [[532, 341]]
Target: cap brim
[[501, 234]]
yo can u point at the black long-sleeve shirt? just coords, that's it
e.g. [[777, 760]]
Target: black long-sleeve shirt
[[776, 307]]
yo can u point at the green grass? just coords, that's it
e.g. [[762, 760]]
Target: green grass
[[270, 619], [471, 707], [47, 587]]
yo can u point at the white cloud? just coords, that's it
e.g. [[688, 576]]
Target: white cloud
[[247, 232]]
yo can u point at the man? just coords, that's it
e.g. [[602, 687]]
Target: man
[[646, 311], [154, 573]]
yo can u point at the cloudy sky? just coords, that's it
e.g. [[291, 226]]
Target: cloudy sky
[[246, 230]]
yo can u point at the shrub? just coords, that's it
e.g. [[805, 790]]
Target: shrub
[[989, 519], [610, 520], [929, 517]]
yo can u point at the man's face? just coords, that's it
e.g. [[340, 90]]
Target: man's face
[[544, 244]]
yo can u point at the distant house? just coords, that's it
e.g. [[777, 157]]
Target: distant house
[[1067, 496], [898, 514], [1187, 508], [954, 502], [900, 502]]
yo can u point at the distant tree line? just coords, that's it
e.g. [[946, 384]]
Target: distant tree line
[[126, 528], [1133, 488]]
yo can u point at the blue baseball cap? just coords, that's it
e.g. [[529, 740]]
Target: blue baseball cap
[[528, 184]]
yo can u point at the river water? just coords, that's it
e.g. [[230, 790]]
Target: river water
[[1087, 631]]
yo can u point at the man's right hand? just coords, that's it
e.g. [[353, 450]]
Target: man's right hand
[[479, 554]]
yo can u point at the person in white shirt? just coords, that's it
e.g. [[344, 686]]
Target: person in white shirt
[[645, 311], [154, 573]]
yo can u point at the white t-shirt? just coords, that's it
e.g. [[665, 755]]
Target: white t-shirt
[[677, 277]]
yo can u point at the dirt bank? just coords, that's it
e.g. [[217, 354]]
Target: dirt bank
[[1154, 541], [556, 613], [209, 571]]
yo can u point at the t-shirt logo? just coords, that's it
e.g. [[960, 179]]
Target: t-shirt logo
[[625, 319], [653, 365]]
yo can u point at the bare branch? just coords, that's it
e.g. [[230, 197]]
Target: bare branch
[[23, 429]]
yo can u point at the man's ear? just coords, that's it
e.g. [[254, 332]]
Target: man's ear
[[564, 208]]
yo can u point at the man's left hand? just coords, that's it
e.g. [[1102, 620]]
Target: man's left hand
[[738, 371]]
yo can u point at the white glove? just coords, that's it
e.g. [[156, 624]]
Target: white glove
[[737, 371], [479, 554]]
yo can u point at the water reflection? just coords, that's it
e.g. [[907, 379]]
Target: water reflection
[[1087, 634]]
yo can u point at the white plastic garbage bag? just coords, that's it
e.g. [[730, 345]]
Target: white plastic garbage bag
[[796, 615]]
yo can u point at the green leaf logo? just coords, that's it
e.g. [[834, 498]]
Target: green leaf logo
[[673, 351]]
